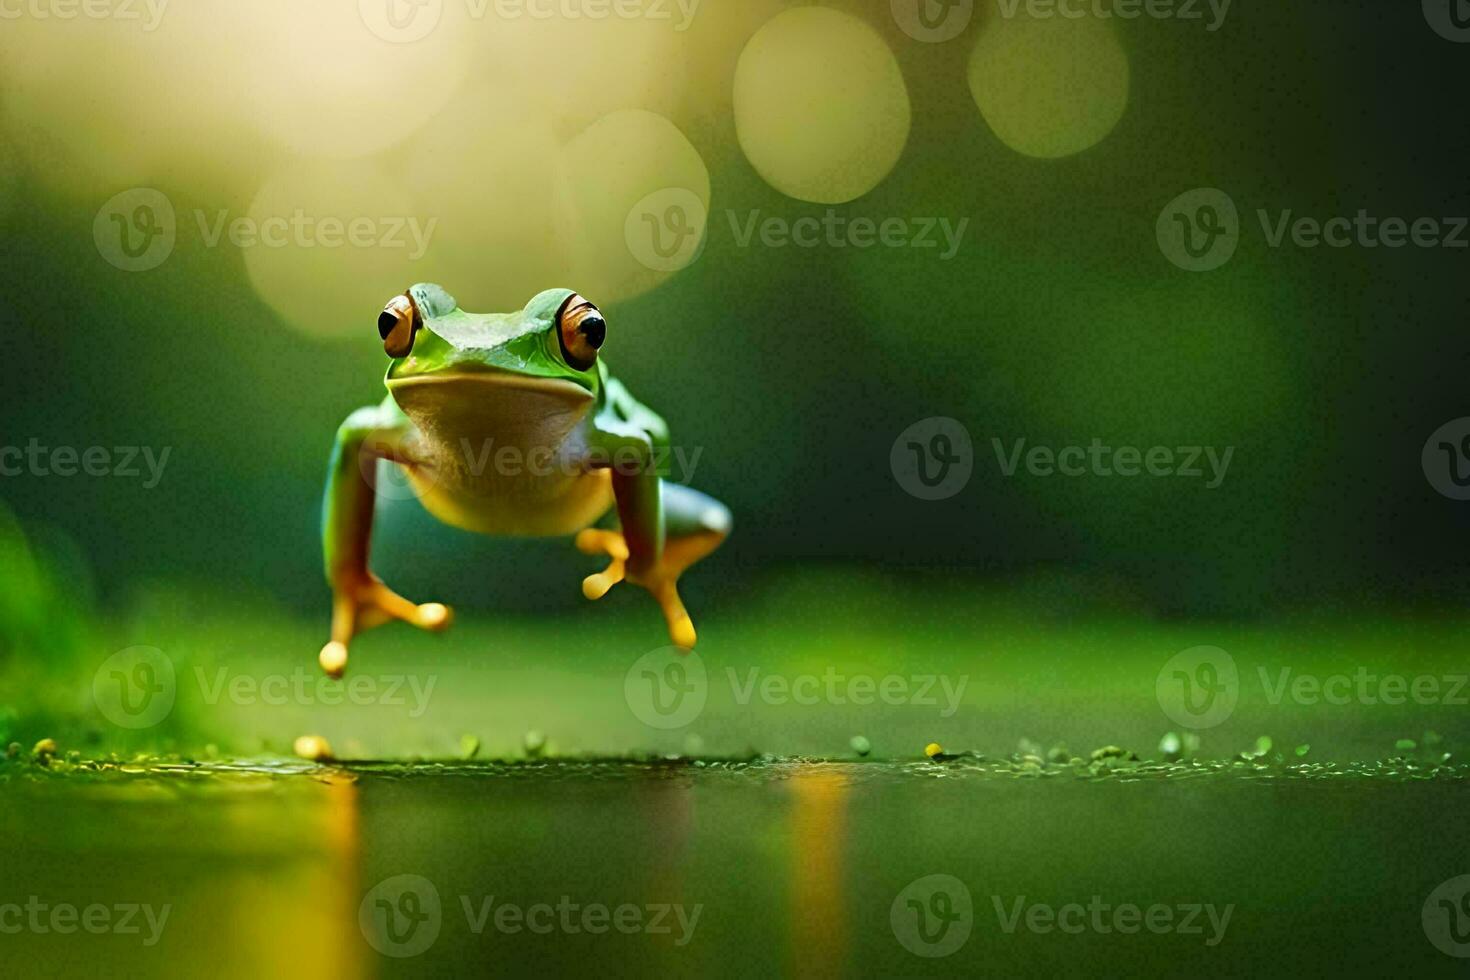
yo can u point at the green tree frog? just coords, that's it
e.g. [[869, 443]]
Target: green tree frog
[[509, 424]]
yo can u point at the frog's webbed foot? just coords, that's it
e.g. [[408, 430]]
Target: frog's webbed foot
[[661, 581], [598, 542], [359, 606]]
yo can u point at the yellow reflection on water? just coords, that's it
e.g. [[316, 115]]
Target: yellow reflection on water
[[303, 920], [246, 875], [819, 935]]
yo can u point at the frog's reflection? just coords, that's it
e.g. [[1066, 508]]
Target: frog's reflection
[[818, 936]]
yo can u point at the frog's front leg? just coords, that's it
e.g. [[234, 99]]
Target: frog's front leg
[[665, 528], [360, 600]]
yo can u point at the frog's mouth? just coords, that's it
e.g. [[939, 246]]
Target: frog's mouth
[[482, 381]]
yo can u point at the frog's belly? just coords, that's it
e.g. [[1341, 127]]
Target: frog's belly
[[503, 454], [499, 501]]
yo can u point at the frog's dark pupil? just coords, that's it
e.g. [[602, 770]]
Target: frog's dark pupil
[[594, 328], [386, 322]]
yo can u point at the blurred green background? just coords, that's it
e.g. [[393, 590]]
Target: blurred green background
[[531, 150], [792, 370]]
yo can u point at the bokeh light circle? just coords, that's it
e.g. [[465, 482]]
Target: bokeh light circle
[[323, 84], [821, 109], [327, 242], [497, 242], [1049, 86], [611, 169], [588, 66]]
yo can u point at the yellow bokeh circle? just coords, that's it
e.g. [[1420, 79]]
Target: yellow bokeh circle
[[821, 109], [1049, 86], [625, 167], [328, 242], [491, 175]]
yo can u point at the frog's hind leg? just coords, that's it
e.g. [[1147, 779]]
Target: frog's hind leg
[[695, 524]]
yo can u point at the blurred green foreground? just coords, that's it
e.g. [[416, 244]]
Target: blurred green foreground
[[171, 792], [795, 665]]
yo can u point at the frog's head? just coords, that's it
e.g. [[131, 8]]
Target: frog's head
[[551, 345]]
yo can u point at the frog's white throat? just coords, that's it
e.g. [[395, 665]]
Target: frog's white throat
[[510, 408]]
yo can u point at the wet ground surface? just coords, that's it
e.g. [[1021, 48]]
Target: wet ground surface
[[726, 867]]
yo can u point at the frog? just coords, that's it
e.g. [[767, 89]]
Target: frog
[[509, 424]]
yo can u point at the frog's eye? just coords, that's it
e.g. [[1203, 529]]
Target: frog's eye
[[397, 325], [581, 330]]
